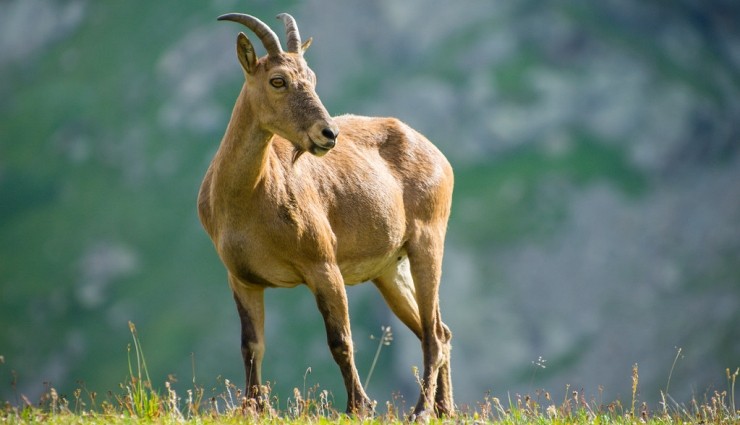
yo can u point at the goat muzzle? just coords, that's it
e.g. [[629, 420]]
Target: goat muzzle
[[323, 137]]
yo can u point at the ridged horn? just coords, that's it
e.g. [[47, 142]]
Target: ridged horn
[[265, 34], [291, 29]]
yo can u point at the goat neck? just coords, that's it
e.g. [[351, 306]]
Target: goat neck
[[241, 161]]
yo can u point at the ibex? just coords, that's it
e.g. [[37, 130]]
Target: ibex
[[370, 204]]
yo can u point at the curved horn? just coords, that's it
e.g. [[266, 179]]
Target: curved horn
[[265, 34], [291, 29]]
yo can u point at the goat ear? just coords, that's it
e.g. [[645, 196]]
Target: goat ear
[[245, 53], [306, 44]]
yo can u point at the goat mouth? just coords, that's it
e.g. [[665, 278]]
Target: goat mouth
[[317, 149], [314, 149]]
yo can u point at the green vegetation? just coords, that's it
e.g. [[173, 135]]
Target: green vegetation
[[508, 197], [228, 406], [137, 401]]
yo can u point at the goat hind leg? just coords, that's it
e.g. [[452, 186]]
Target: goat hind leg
[[397, 288], [425, 256], [444, 402], [396, 285]]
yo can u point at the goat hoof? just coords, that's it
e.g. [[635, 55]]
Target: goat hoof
[[363, 408], [443, 410], [423, 416]]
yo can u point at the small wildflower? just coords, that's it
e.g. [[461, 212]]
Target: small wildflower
[[540, 362]]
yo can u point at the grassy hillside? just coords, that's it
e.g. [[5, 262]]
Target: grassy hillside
[[138, 401]]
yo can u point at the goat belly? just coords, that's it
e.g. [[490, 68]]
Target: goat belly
[[358, 271]]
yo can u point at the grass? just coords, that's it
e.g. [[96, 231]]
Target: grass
[[139, 402]]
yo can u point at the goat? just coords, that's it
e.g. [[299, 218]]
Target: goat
[[370, 204]]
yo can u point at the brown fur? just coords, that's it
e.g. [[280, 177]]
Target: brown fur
[[373, 207]]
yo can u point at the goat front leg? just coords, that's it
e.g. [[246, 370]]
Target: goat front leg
[[251, 307], [327, 285]]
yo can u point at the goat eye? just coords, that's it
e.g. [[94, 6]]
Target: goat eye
[[277, 82]]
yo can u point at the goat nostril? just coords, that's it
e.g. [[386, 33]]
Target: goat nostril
[[329, 134]]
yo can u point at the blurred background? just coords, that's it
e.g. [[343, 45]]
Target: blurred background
[[596, 216]]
